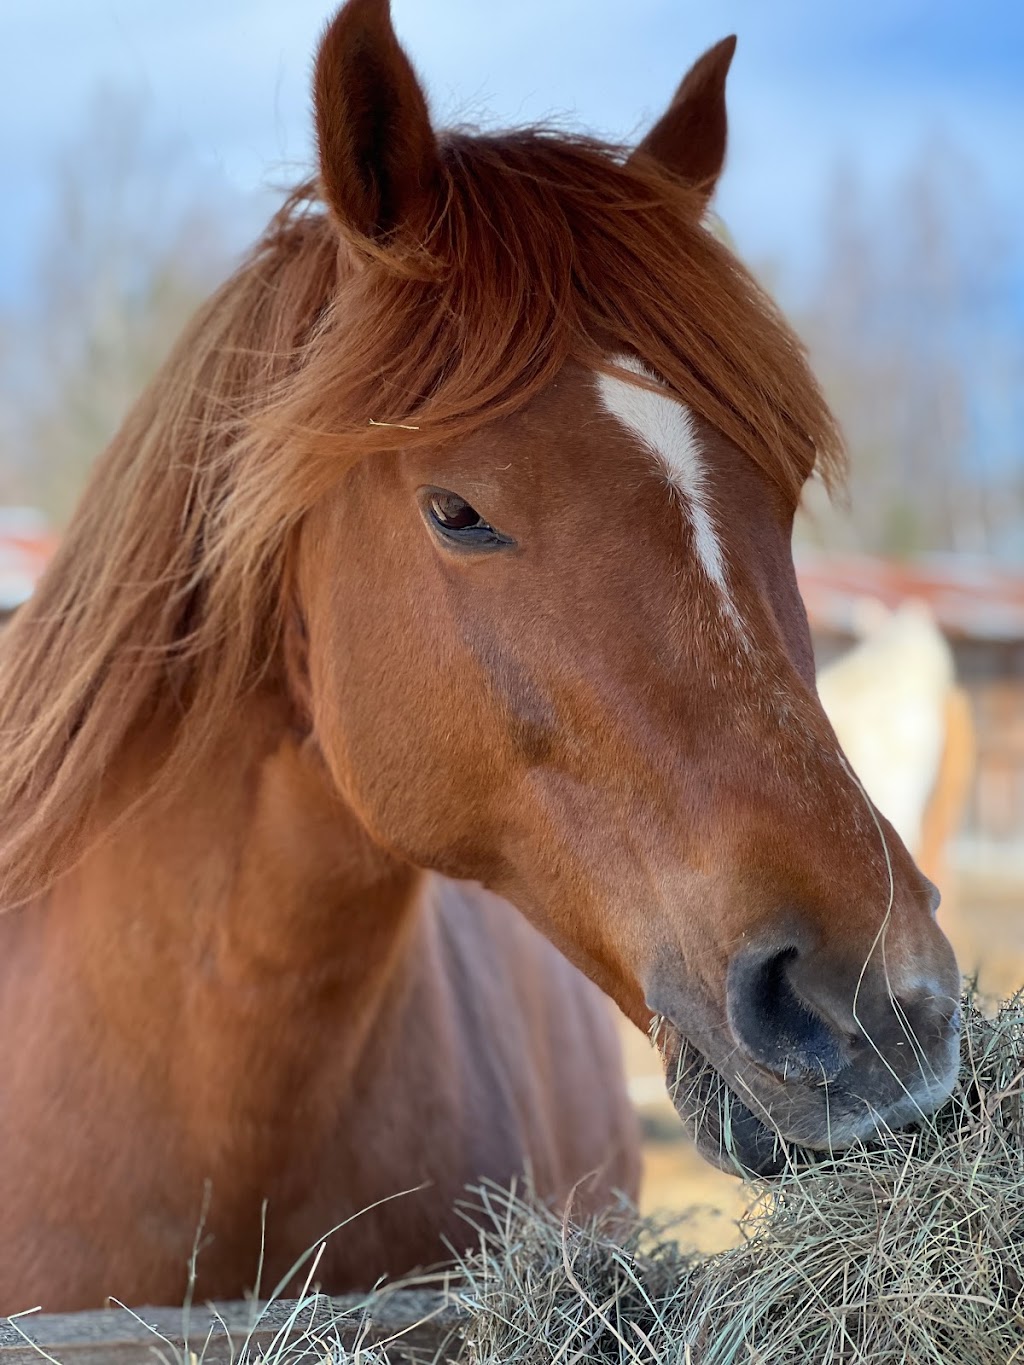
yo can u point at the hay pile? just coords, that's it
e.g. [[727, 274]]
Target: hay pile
[[907, 1250], [910, 1249]]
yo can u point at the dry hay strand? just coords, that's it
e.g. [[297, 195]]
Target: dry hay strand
[[909, 1248]]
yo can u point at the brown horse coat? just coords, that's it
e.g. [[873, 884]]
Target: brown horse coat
[[288, 1014]]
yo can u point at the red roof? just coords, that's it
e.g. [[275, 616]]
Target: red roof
[[971, 598], [26, 544]]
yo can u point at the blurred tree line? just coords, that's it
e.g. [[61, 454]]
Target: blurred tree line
[[906, 316], [133, 243], [915, 323]]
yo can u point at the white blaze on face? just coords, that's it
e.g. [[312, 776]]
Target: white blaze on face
[[665, 428]]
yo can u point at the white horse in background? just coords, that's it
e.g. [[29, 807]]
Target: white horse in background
[[905, 726]]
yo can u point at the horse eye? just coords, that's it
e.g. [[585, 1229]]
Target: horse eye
[[458, 524], [453, 512]]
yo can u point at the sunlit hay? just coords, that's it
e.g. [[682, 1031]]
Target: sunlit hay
[[906, 1249], [538, 1287]]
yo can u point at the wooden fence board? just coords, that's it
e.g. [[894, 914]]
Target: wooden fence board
[[422, 1322]]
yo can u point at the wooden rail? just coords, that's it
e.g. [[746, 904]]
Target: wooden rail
[[418, 1326]]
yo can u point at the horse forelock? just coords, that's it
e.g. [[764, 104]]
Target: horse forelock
[[544, 247], [168, 586]]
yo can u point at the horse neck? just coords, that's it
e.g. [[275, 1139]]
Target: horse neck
[[255, 884]]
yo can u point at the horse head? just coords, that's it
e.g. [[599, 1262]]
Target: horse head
[[548, 634]]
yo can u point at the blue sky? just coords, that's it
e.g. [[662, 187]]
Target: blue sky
[[815, 82]]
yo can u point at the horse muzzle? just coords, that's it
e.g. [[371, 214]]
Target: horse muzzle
[[808, 1059]]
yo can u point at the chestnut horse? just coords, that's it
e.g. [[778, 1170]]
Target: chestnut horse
[[443, 569]]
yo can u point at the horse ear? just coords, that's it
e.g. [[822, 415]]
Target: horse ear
[[378, 155], [689, 138]]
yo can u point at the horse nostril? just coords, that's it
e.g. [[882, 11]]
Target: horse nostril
[[773, 1025]]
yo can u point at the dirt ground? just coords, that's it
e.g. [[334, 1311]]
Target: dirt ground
[[986, 926]]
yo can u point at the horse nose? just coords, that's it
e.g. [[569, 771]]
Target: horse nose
[[792, 1014], [774, 1025]]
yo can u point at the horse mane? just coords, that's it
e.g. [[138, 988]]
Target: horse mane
[[168, 588]]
